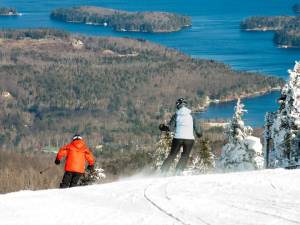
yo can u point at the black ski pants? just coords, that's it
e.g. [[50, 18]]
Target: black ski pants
[[176, 145], [70, 179]]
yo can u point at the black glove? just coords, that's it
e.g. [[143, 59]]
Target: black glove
[[57, 162], [199, 135], [91, 168], [163, 127]]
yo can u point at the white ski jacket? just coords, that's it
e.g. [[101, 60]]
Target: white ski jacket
[[184, 124]]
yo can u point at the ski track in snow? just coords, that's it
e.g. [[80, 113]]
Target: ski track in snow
[[163, 188], [160, 208], [244, 202], [269, 197]]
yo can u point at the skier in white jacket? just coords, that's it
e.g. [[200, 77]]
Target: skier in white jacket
[[184, 125]]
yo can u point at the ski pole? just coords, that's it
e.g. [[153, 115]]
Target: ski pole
[[44, 170]]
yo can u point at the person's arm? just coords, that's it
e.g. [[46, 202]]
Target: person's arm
[[170, 126], [197, 129], [63, 151], [172, 123], [90, 158]]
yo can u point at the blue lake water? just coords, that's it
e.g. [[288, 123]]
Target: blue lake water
[[215, 34]]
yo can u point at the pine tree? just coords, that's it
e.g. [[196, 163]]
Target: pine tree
[[283, 126], [95, 176], [236, 130], [243, 151], [163, 148], [202, 157]]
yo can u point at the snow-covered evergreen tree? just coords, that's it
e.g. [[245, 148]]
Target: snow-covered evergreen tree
[[243, 151], [283, 126], [95, 176], [236, 130]]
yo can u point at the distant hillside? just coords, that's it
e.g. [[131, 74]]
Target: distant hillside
[[122, 20], [286, 28], [113, 90]]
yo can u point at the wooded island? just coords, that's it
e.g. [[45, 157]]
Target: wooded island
[[123, 21], [8, 11], [286, 28]]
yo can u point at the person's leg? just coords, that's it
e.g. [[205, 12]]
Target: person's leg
[[176, 144], [65, 183], [187, 148], [75, 179]]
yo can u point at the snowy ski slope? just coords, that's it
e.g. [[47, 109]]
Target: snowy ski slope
[[263, 197]]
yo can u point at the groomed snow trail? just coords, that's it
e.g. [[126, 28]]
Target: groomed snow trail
[[254, 198]]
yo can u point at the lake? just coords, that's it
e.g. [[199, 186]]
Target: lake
[[215, 34]]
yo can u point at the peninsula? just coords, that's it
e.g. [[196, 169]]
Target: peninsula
[[123, 21]]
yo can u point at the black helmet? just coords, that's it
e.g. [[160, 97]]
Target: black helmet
[[180, 102], [77, 137]]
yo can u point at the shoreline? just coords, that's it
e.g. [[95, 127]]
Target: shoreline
[[288, 46], [131, 31], [251, 95], [11, 14], [15, 14], [243, 96], [265, 29]]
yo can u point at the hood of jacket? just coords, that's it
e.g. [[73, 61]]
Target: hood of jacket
[[79, 144]]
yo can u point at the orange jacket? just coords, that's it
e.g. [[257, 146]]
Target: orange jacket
[[77, 153]]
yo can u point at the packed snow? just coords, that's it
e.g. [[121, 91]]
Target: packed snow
[[245, 198]]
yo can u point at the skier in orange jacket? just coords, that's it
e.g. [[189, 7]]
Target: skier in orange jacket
[[76, 154]]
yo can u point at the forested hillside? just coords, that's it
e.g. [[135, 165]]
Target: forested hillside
[[114, 91]]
